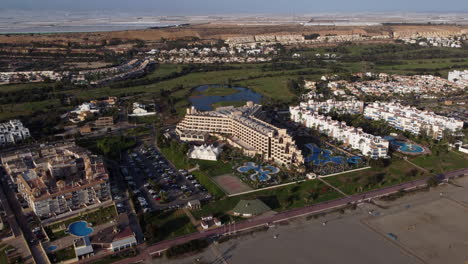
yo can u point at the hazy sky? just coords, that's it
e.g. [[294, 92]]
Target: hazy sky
[[164, 7]]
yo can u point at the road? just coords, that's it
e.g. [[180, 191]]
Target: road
[[146, 251], [21, 225]]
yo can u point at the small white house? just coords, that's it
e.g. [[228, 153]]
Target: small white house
[[140, 110]]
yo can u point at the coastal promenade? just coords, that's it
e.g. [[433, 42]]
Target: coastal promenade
[[147, 251]]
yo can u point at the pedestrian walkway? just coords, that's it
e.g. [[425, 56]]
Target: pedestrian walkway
[[194, 221], [418, 167]]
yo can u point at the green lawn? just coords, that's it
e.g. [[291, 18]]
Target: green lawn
[[279, 199], [62, 255], [163, 70], [217, 91], [98, 217], [365, 180], [3, 257], [167, 225], [444, 162], [8, 111]]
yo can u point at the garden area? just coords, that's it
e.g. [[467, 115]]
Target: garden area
[[62, 255], [9, 255], [117, 256], [440, 162], [101, 216], [160, 226], [278, 199], [109, 146]]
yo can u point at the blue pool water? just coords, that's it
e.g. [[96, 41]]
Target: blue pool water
[[321, 156], [80, 229], [262, 173], [410, 148], [405, 147], [51, 248], [355, 160], [204, 102]]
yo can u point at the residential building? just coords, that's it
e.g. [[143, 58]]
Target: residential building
[[243, 127], [57, 178], [104, 121], [12, 132], [83, 248], [342, 107], [205, 152], [460, 77], [117, 237], [209, 221], [194, 205], [140, 110], [369, 145], [411, 119]]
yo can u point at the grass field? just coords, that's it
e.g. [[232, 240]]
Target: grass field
[[217, 91], [444, 162], [62, 255], [3, 257], [169, 225], [279, 199]]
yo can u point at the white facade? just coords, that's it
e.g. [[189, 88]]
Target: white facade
[[411, 119], [12, 132], [86, 107], [350, 107], [460, 77], [139, 110], [369, 145], [205, 152]]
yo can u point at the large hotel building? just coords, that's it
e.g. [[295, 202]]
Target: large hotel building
[[243, 127], [60, 178]]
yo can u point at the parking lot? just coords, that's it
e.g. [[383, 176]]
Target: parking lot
[[156, 184]]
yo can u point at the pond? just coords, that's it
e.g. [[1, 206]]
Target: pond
[[204, 102]]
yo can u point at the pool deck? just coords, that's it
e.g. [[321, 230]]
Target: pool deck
[[68, 240]]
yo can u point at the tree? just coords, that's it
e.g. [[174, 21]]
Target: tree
[[433, 181]]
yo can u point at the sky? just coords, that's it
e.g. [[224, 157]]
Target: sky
[[200, 7]]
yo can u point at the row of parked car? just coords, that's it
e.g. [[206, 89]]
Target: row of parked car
[[162, 182]]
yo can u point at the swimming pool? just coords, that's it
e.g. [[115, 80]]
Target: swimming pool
[[405, 147], [51, 248], [320, 156], [261, 173], [80, 228], [408, 147]]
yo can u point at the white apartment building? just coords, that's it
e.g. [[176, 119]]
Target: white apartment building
[[342, 107], [411, 119], [56, 179], [242, 127], [460, 77], [369, 145], [12, 132]]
